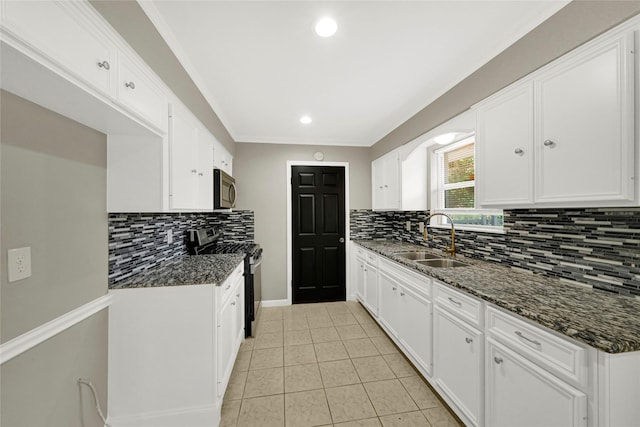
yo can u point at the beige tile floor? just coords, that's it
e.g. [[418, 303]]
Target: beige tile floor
[[326, 365]]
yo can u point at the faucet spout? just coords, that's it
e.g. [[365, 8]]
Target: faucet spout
[[452, 249]]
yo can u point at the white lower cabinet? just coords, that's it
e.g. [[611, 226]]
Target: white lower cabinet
[[521, 394], [230, 325], [458, 370], [415, 312], [171, 350], [371, 284], [492, 367]]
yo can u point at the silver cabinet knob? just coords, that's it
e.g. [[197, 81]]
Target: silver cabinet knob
[[200, 174], [498, 360], [401, 294], [386, 186], [104, 64], [458, 303], [130, 85], [549, 143], [233, 303], [518, 151], [394, 288], [468, 340], [194, 171], [341, 240]]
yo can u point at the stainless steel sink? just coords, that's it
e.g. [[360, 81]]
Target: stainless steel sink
[[417, 255], [441, 263]]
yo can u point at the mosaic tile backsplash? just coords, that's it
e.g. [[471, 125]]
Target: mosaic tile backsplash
[[599, 246], [138, 241]]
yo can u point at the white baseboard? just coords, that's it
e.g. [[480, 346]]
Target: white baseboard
[[28, 340], [199, 416], [275, 303]]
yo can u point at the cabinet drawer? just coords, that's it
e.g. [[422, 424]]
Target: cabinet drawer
[[462, 305], [371, 258], [419, 283], [554, 353]]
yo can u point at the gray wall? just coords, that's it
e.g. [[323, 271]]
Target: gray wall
[[53, 188], [260, 171], [573, 25], [128, 18]]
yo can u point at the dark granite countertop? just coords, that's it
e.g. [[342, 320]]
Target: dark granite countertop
[[605, 321], [186, 270]]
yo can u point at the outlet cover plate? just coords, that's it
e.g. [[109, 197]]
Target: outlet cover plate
[[19, 261]]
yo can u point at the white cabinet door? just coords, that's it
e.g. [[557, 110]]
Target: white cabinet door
[[371, 288], [183, 141], [584, 135], [360, 277], [205, 169], [139, 93], [457, 365], [225, 340], [504, 149], [385, 179], [521, 394], [59, 32], [415, 312], [389, 304], [238, 325]]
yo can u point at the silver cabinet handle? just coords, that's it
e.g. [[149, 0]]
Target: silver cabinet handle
[[468, 340], [233, 303], [534, 342], [227, 288], [518, 151], [498, 360], [459, 304], [104, 64], [394, 288], [238, 295], [386, 186], [194, 171], [549, 143], [200, 174], [401, 294], [130, 85]]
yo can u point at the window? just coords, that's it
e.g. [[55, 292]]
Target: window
[[453, 189]]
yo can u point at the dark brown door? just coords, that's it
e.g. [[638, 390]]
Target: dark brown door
[[318, 222]]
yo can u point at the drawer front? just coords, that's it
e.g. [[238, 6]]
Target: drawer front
[[419, 283], [554, 353], [372, 258], [462, 305]]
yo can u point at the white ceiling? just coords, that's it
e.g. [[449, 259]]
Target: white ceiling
[[261, 66]]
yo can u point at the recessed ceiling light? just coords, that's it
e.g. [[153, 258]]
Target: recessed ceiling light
[[305, 120], [326, 27]]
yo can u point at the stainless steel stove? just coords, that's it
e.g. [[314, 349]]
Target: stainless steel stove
[[206, 241]]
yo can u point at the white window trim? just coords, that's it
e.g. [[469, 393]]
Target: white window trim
[[437, 196]]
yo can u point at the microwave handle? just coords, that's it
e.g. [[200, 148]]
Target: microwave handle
[[232, 195]]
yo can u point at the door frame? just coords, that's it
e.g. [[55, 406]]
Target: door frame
[[345, 165]]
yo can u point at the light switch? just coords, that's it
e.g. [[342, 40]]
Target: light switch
[[19, 261]]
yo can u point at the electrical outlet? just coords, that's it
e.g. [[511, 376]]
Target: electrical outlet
[[169, 236], [19, 261], [408, 225], [421, 226]]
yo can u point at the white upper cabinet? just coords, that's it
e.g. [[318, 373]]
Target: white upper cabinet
[[563, 136], [55, 31], [504, 149], [584, 128], [137, 91], [385, 180], [191, 162]]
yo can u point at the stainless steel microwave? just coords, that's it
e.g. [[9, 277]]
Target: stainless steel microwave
[[224, 190]]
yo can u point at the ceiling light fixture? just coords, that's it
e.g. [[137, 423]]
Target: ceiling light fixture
[[444, 138], [326, 27], [305, 120]]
